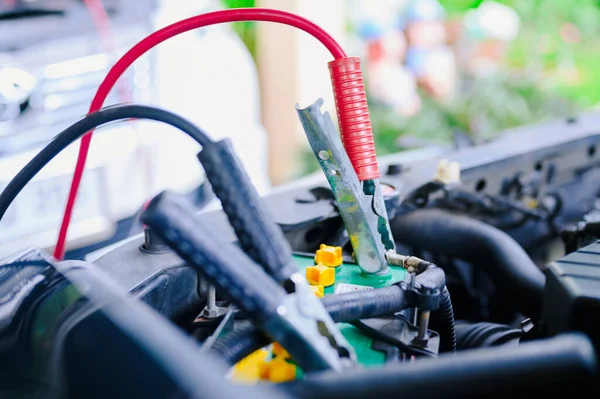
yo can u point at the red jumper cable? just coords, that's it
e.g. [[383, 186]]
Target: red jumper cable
[[346, 77]]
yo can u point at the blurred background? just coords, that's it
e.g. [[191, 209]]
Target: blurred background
[[442, 72], [439, 73]]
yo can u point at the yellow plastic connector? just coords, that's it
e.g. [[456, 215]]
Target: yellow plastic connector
[[319, 290], [320, 275], [329, 256], [447, 172], [280, 351], [248, 369], [531, 203], [277, 370]]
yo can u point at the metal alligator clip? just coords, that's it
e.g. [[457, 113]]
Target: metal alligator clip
[[298, 320], [360, 204]]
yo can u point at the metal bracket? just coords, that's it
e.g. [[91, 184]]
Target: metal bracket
[[423, 297]]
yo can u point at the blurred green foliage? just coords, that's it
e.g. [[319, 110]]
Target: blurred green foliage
[[543, 77], [539, 47], [486, 107]]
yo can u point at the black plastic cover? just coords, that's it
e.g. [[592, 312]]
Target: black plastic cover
[[572, 294]]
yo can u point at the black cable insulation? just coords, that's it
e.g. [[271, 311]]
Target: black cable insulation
[[80, 128]]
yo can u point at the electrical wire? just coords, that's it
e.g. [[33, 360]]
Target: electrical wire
[[199, 21], [102, 23], [92, 121]]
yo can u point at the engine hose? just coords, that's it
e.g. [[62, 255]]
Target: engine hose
[[533, 369], [240, 343], [365, 304], [480, 335], [501, 257]]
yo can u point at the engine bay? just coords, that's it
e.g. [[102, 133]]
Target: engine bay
[[471, 273]]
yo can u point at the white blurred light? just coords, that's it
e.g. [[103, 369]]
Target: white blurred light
[[494, 20]]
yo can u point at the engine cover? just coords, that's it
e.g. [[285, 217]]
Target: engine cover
[[572, 293]]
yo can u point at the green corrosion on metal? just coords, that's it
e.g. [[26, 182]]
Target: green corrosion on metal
[[350, 273]]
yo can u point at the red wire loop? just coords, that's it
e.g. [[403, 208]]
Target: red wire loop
[[213, 18]]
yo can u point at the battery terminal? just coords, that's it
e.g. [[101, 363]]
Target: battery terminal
[[329, 256], [320, 275]]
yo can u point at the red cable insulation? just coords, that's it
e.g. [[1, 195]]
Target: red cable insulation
[[102, 22], [353, 116], [199, 21]]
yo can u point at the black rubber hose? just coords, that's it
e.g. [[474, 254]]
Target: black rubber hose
[[240, 343], [365, 304], [479, 335], [533, 369], [502, 257]]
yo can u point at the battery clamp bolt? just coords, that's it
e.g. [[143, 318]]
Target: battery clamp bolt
[[211, 310]]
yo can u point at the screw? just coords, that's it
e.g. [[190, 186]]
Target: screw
[[211, 301], [422, 335], [211, 310], [423, 325]]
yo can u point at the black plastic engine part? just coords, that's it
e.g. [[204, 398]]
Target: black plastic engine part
[[398, 332], [442, 319], [68, 331], [533, 369], [582, 233], [479, 335], [572, 294], [484, 245]]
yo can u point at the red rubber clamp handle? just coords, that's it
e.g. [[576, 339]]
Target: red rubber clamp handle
[[353, 116]]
